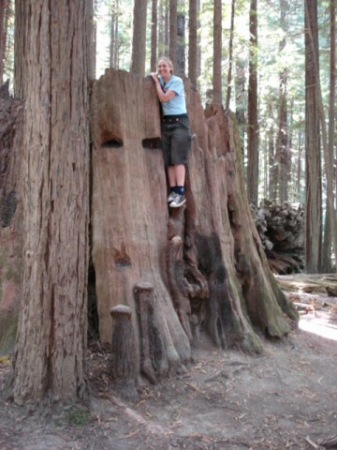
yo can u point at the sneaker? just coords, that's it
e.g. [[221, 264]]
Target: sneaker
[[180, 200], [171, 197]]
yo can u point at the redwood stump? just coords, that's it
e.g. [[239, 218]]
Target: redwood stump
[[124, 369], [151, 345]]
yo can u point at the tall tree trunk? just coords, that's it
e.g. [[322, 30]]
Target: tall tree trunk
[[167, 27], [230, 58], [313, 246], [173, 32], [3, 33], [91, 37], [51, 340], [154, 31], [282, 140], [273, 185], [139, 38], [241, 101], [299, 167], [253, 127], [180, 64], [193, 43], [327, 266], [113, 37], [21, 15], [217, 52]]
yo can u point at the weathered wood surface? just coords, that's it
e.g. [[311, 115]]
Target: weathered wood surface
[[11, 239], [220, 269]]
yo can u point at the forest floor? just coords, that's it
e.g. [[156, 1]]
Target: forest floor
[[285, 398]]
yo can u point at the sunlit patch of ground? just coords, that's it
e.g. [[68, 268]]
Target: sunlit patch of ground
[[319, 324]]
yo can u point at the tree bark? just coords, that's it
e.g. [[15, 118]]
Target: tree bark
[[154, 31], [21, 17], [241, 100], [253, 126], [3, 33], [313, 245], [11, 212], [217, 52], [327, 266], [180, 65], [173, 32], [230, 57], [51, 340], [193, 43], [113, 35], [139, 38], [282, 139]]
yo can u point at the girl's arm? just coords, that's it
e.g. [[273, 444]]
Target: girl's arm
[[163, 96]]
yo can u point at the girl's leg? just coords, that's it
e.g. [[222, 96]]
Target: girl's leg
[[179, 174], [171, 176]]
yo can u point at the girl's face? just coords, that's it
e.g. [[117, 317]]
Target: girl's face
[[164, 69]]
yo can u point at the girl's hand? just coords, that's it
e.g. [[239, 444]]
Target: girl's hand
[[154, 75]]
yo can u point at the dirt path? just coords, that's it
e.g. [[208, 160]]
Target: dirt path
[[285, 398]]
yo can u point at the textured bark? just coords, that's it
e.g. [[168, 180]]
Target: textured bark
[[217, 52], [241, 99], [139, 37], [273, 185], [282, 138], [173, 32], [20, 76], [181, 60], [51, 340], [154, 28], [282, 141], [200, 269], [114, 36], [230, 57], [123, 365], [193, 43], [91, 38], [327, 265], [253, 126], [313, 245], [11, 239], [3, 33]]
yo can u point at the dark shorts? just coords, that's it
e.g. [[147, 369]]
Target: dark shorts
[[176, 139]]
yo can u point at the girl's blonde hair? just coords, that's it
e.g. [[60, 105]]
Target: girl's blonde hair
[[168, 61]]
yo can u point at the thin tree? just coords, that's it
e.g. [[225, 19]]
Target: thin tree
[[114, 35], [21, 16], [313, 246], [253, 126], [139, 37], [327, 266], [154, 28], [3, 34], [181, 60], [173, 32], [217, 52], [282, 139], [230, 58], [193, 43], [50, 349]]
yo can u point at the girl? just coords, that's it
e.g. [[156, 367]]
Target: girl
[[176, 134]]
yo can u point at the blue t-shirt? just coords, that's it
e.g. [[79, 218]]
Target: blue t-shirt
[[177, 104]]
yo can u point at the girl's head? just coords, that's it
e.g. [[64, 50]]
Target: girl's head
[[165, 65]]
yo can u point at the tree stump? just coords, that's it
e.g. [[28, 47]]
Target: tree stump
[[123, 352], [151, 344], [205, 265]]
